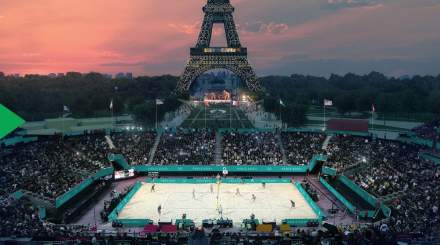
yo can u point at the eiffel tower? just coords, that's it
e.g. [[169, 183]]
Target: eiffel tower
[[203, 57]]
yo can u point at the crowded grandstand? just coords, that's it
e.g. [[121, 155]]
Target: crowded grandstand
[[34, 175]]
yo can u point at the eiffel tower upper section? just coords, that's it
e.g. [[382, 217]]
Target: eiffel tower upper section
[[203, 57]]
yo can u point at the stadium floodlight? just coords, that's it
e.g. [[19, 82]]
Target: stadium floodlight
[[127, 128]]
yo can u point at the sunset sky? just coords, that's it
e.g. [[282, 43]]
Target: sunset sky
[[152, 37]]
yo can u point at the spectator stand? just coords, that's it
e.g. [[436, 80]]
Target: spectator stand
[[66, 197], [376, 208], [430, 157], [413, 138]]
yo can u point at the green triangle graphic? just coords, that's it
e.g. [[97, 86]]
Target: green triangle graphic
[[8, 121]]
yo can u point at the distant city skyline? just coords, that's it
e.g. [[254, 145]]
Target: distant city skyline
[[150, 37]]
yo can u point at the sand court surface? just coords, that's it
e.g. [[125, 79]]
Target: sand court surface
[[272, 203]]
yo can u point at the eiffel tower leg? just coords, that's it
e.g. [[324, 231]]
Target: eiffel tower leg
[[231, 32], [238, 65], [247, 75], [186, 79], [193, 70], [206, 31]]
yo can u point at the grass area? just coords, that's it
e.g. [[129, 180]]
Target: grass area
[[376, 126], [217, 116], [318, 111]]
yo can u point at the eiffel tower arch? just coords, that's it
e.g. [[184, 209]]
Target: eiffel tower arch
[[203, 57]]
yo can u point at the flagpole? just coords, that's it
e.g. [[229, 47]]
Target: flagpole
[[279, 108], [62, 118], [324, 126], [156, 113], [281, 119], [205, 113], [230, 111], [113, 120]]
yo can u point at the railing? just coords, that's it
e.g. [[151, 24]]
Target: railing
[[309, 200], [214, 180], [119, 159], [220, 168], [359, 191], [328, 171], [17, 140], [430, 157], [315, 159], [338, 195], [64, 198], [370, 199]]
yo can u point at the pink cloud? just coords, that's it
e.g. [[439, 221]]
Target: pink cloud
[[56, 36]]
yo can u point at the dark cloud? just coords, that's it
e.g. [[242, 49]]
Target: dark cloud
[[262, 27], [338, 4]]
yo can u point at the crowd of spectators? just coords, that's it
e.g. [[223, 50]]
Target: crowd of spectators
[[417, 210], [416, 183], [300, 147], [185, 146], [111, 204], [18, 219], [430, 130], [393, 167], [345, 151], [53, 165], [390, 166], [57, 163], [252, 148], [48, 168], [342, 235], [135, 146]]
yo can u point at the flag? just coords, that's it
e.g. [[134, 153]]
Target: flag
[[282, 103], [111, 105], [66, 111], [373, 109], [328, 102], [159, 102]]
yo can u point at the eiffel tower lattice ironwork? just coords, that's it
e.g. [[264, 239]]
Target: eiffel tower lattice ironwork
[[203, 57]]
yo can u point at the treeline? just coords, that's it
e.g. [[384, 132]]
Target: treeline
[[291, 113], [355, 93], [37, 97]]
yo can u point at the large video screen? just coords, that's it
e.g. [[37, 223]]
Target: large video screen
[[124, 174]]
